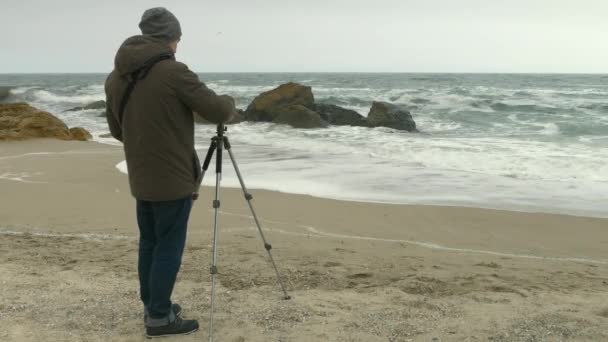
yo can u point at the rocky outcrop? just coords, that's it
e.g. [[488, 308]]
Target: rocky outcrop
[[93, 105], [390, 115], [20, 121], [79, 133], [336, 115], [294, 104], [4, 92], [271, 104]]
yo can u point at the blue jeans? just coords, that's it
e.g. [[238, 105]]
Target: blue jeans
[[162, 237]]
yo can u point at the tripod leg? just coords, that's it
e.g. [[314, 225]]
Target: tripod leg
[[249, 197], [210, 151], [216, 206]]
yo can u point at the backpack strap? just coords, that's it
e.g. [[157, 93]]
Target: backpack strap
[[137, 75]]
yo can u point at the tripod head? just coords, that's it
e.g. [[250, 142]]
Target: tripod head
[[221, 128]]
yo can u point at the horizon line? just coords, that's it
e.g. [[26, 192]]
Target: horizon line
[[326, 72]]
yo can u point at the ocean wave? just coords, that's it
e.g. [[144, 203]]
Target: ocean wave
[[532, 160], [488, 139], [22, 90], [549, 128], [240, 89], [527, 108], [47, 96], [434, 79], [601, 107]]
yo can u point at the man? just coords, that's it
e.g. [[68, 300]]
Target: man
[[153, 117]]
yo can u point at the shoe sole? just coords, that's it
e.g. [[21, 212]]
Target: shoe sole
[[169, 335]]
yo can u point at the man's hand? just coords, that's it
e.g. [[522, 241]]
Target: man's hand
[[228, 99], [231, 104]]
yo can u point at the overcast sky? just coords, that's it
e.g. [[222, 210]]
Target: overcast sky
[[317, 35]]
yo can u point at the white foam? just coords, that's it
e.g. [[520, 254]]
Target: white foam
[[46, 96], [463, 157], [19, 177], [550, 129], [384, 165], [21, 90]]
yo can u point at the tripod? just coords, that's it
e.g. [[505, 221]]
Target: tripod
[[219, 142]]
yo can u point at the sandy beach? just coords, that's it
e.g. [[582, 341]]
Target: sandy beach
[[356, 271]]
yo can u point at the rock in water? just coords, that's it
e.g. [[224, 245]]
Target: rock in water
[[4, 92], [390, 115], [299, 116], [336, 115], [79, 133], [93, 105], [267, 106], [20, 121]]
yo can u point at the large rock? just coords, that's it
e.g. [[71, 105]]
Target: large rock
[[267, 106], [336, 115], [93, 105], [390, 115], [4, 92], [79, 133], [19, 121], [299, 116]]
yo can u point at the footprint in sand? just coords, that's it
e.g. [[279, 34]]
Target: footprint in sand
[[489, 265], [332, 264], [360, 276]]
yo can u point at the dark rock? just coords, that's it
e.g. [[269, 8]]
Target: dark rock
[[4, 92], [268, 106], [80, 134], [299, 116], [96, 105], [239, 117], [106, 135], [390, 115], [336, 115], [93, 105]]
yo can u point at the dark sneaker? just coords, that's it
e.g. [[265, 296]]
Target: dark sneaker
[[177, 310], [177, 327]]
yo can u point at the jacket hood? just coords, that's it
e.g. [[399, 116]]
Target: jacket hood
[[136, 51]]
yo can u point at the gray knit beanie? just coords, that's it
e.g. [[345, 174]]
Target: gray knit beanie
[[158, 22]]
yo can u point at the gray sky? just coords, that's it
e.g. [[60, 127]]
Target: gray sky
[[317, 35]]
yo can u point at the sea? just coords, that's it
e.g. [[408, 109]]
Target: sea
[[523, 142]]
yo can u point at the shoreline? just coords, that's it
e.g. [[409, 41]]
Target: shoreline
[[488, 146], [513, 208], [549, 211]]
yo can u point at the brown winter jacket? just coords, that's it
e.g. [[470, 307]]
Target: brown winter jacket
[[158, 126]]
